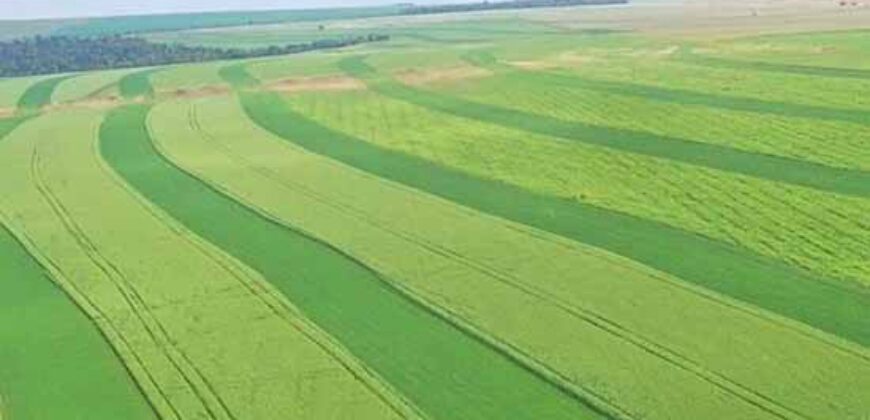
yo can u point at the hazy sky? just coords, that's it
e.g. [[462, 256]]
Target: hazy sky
[[38, 9]]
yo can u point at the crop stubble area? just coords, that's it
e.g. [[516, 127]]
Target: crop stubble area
[[465, 222]]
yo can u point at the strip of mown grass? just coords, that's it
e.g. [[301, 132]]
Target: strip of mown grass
[[775, 168], [137, 85], [732, 271], [446, 372], [39, 94]]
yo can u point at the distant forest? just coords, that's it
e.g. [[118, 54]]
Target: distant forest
[[62, 54], [502, 5]]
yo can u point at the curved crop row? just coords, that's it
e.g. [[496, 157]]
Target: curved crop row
[[729, 270], [755, 129], [198, 331], [843, 181], [420, 353], [574, 292], [39, 319]]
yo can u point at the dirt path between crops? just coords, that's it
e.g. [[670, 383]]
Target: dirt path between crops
[[316, 84], [416, 77]]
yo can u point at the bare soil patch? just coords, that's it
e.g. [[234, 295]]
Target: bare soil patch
[[431, 76], [7, 112], [198, 92], [317, 84]]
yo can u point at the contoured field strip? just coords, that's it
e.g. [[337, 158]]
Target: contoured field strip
[[199, 331], [753, 213], [633, 107], [421, 353], [39, 318], [747, 276], [773, 168], [454, 271]]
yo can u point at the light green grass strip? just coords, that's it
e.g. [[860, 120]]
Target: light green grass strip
[[732, 271], [774, 168], [446, 371], [54, 363]]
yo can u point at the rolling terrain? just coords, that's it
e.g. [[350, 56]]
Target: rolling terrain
[[604, 213]]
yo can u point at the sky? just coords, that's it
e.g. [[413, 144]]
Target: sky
[[42, 9]]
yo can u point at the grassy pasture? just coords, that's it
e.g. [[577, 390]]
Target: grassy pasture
[[399, 230], [421, 354]]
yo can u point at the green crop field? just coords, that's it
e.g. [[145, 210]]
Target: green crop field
[[581, 213]]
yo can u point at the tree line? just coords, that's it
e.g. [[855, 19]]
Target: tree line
[[63, 54], [501, 5]]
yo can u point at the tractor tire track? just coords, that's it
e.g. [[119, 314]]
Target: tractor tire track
[[127, 290], [599, 321]]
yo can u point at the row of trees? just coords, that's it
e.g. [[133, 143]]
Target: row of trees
[[63, 54], [502, 5]]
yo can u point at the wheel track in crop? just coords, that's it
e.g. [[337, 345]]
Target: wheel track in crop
[[689, 56], [497, 351], [520, 357], [105, 325], [585, 315], [279, 307], [570, 219], [770, 167], [568, 101], [699, 198], [133, 300]]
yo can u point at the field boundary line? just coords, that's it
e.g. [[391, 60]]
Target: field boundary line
[[277, 303]]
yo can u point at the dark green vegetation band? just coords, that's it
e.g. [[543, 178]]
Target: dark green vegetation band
[[444, 371], [54, 364], [137, 85], [717, 62], [767, 283], [774, 168], [732, 103], [237, 76], [39, 94]]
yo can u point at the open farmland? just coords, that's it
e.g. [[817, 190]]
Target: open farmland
[[586, 213]]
